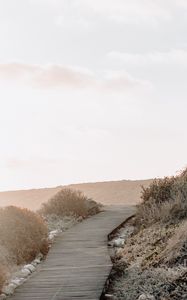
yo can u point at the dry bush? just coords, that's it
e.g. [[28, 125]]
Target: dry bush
[[159, 190], [165, 200], [22, 233], [176, 249], [70, 202], [153, 260]]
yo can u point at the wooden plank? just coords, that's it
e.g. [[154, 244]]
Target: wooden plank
[[78, 263]]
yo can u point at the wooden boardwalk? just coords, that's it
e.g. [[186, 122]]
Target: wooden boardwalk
[[78, 263]]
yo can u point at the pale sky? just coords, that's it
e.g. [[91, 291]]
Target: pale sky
[[91, 90]]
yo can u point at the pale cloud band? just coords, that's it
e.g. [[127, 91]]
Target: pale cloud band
[[120, 11], [58, 76], [173, 56]]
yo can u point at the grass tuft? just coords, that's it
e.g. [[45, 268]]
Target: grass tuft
[[70, 202]]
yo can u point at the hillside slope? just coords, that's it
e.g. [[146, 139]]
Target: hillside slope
[[150, 260], [113, 192]]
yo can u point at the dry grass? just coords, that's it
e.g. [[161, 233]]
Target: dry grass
[[22, 233], [154, 259], [165, 200], [70, 202], [175, 252], [153, 262]]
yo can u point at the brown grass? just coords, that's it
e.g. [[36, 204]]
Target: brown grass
[[175, 252], [70, 202], [22, 233], [165, 200], [153, 260]]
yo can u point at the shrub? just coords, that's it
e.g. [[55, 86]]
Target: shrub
[[70, 202], [159, 190], [164, 200], [22, 233]]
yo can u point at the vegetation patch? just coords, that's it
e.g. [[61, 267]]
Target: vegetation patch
[[68, 202], [152, 263], [25, 236]]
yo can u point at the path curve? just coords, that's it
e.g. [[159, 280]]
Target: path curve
[[78, 263]]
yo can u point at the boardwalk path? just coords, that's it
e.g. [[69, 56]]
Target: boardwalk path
[[78, 264]]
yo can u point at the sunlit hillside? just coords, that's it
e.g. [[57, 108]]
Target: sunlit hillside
[[113, 192]]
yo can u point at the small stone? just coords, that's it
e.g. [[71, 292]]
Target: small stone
[[146, 297], [25, 272], [40, 256], [30, 267], [118, 243], [9, 289], [37, 261], [16, 281], [109, 297], [2, 297]]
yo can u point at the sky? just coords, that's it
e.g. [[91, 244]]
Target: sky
[[91, 90]]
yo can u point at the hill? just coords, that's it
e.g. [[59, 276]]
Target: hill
[[111, 192]]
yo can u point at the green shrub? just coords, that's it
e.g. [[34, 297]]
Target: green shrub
[[22, 233], [70, 202]]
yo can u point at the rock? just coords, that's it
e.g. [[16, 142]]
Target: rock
[[40, 256], [25, 272], [53, 233], [146, 297], [109, 297], [118, 242], [16, 281], [36, 261], [9, 289], [2, 297], [30, 267]]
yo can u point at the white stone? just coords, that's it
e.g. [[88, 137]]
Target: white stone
[[40, 256], [53, 233], [2, 297], [22, 280], [16, 281], [37, 261], [30, 267], [34, 263], [109, 297], [9, 289], [146, 297], [118, 242], [25, 272]]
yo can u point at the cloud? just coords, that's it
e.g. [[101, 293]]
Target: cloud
[[58, 76], [121, 11], [46, 76], [173, 56], [117, 80], [128, 11]]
